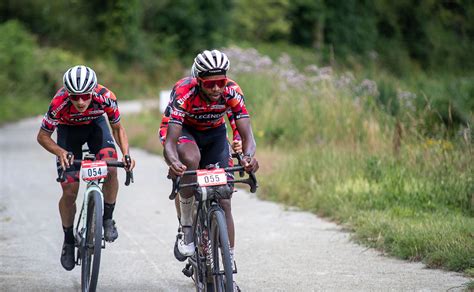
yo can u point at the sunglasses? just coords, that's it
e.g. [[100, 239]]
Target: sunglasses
[[211, 83], [84, 97]]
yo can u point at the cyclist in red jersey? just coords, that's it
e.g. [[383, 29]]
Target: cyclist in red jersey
[[76, 111], [236, 146], [196, 134]]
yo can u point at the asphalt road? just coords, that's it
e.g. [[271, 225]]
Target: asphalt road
[[276, 250]]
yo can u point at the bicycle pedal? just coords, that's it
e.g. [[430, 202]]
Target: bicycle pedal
[[188, 270]]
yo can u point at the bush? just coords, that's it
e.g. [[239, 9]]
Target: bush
[[18, 59]]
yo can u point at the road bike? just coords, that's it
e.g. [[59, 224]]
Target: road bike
[[88, 232], [211, 267]]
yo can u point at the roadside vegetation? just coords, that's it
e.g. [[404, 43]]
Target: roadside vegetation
[[327, 145], [32, 73]]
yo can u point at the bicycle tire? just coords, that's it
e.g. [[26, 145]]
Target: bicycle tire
[[92, 247], [221, 264], [200, 267]]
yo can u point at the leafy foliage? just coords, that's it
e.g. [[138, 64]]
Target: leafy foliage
[[261, 20], [433, 34], [17, 59]]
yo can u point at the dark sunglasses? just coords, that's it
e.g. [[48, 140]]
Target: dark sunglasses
[[211, 83], [84, 97]]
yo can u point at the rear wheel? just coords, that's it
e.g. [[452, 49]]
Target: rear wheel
[[92, 246], [221, 262]]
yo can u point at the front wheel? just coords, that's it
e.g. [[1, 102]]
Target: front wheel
[[92, 246], [198, 261], [221, 262]]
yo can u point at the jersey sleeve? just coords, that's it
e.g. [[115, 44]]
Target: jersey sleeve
[[49, 122], [110, 105], [177, 106], [51, 118], [163, 129], [236, 102]]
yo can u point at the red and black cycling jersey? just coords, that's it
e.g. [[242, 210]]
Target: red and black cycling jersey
[[189, 107], [62, 111]]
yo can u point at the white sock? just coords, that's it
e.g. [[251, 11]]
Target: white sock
[[186, 206]]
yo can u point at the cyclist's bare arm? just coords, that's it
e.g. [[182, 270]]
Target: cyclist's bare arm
[[45, 140], [121, 139], [248, 144], [171, 149], [248, 141]]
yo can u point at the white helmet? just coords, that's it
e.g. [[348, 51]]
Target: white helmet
[[210, 63], [79, 79]]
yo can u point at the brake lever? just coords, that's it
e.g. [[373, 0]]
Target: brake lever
[[129, 173], [175, 190], [61, 177], [240, 157], [129, 178], [254, 184]]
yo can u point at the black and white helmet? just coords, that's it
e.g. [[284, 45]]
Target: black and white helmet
[[79, 79], [210, 63]]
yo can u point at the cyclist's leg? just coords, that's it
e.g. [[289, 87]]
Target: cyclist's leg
[[190, 156], [111, 186], [101, 143], [187, 150], [70, 139]]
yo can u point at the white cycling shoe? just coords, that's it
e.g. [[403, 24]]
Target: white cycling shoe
[[186, 249]]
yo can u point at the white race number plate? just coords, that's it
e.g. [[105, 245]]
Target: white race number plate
[[212, 177], [93, 170]]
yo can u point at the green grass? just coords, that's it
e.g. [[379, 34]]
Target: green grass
[[142, 130], [341, 155], [439, 239], [414, 210]]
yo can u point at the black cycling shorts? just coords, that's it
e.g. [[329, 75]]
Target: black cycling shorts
[[212, 144], [97, 136]]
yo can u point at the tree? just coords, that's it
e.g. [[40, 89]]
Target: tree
[[121, 35], [307, 22], [263, 20], [350, 26]]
